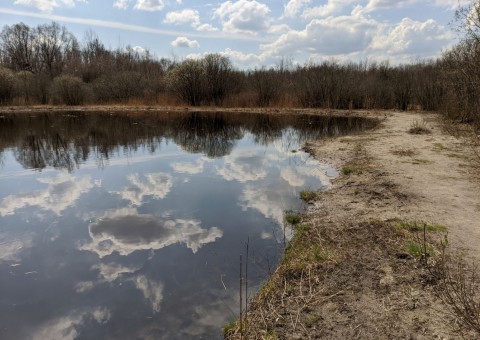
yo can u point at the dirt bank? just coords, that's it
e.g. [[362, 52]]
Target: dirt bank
[[355, 268]]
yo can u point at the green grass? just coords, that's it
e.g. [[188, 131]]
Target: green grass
[[416, 249], [308, 196], [229, 327], [292, 217], [351, 169], [420, 225]]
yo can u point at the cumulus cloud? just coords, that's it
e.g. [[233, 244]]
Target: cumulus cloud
[[451, 4], [322, 36], [242, 58], [149, 5], [331, 7], [413, 37], [185, 42], [278, 29], [293, 7], [243, 16], [121, 4], [61, 193], [157, 185], [66, 327], [188, 16], [47, 5], [151, 290], [125, 231]]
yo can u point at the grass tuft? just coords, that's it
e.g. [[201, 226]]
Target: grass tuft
[[420, 225], [292, 217], [308, 195], [419, 128]]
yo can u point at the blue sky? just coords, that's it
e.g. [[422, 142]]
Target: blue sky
[[255, 33]]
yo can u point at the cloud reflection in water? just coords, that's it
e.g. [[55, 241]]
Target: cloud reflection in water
[[126, 230], [61, 193]]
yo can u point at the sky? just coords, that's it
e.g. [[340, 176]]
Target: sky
[[255, 33]]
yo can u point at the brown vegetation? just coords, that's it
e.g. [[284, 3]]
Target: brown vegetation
[[32, 57]]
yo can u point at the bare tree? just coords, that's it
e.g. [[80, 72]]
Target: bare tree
[[18, 47], [54, 43], [187, 81], [218, 77]]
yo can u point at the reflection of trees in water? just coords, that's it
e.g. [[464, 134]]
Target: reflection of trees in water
[[67, 140], [211, 134]]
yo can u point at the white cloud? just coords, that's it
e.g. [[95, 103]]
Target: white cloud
[[61, 193], [185, 42], [149, 5], [121, 4], [47, 5], [293, 7], [278, 29], [322, 36], [243, 16], [451, 4], [152, 291], [188, 16], [66, 327], [125, 231], [157, 186], [413, 38], [242, 58], [331, 7]]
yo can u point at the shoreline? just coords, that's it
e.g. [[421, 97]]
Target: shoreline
[[355, 266]]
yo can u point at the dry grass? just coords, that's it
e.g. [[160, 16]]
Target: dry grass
[[419, 127], [459, 285], [404, 152]]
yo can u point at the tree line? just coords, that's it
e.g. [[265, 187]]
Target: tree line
[[46, 64]]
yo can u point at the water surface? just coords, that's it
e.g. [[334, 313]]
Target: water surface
[[123, 225]]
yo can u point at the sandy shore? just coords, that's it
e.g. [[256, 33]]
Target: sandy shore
[[351, 271]]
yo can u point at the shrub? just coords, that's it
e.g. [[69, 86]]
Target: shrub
[[187, 80], [69, 90], [7, 85], [119, 86]]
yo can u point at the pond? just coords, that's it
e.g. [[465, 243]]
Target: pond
[[131, 225]]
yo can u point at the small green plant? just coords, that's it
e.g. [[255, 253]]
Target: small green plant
[[419, 128], [292, 217], [229, 327], [351, 169], [308, 196], [420, 225]]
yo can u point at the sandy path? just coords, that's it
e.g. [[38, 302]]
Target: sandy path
[[438, 175]]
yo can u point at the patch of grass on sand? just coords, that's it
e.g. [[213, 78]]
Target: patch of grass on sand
[[351, 169], [417, 250], [403, 152], [419, 127], [420, 225], [308, 195], [292, 217]]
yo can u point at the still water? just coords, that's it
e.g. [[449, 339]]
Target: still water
[[130, 226]]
